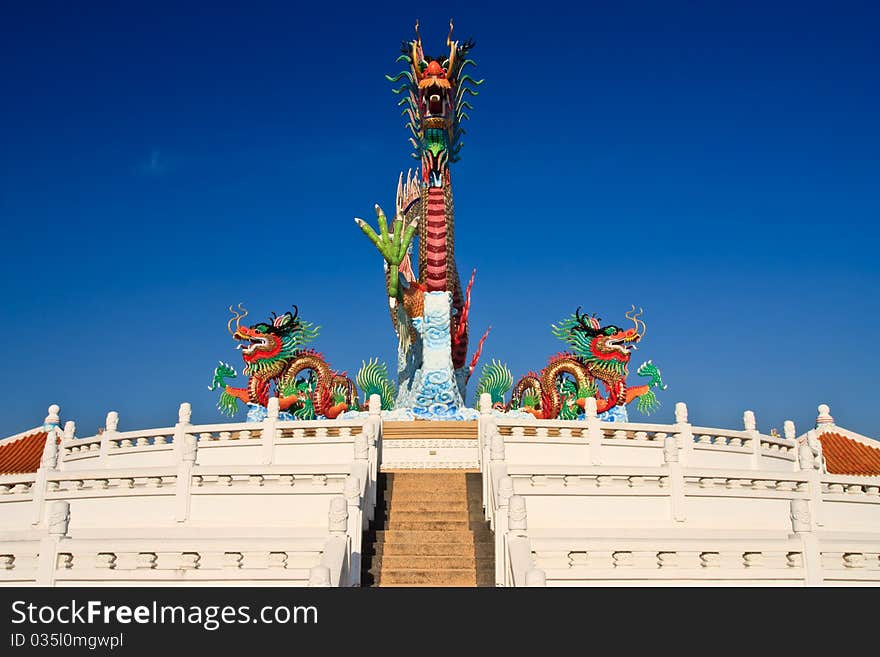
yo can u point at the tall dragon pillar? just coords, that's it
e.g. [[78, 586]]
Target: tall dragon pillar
[[429, 312]]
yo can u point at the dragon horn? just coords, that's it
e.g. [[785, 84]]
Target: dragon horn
[[644, 326], [295, 311], [232, 319], [449, 38], [418, 36]]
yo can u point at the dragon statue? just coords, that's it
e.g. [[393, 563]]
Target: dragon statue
[[429, 312], [274, 355], [601, 355]]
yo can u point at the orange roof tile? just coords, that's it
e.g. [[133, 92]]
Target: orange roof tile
[[849, 457], [23, 454]]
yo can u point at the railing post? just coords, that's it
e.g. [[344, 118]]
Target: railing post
[[789, 433], [338, 527], [517, 525], [338, 516], [69, 434], [56, 530], [676, 478], [802, 525], [505, 492], [319, 576], [536, 578], [684, 432], [824, 422], [485, 414], [362, 465], [111, 424], [267, 437], [355, 528], [516, 515], [497, 467], [809, 464], [487, 430], [594, 431], [751, 428], [184, 415], [187, 455], [373, 428], [48, 463]]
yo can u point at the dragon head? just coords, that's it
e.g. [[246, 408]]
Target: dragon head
[[435, 102], [265, 343], [608, 343]]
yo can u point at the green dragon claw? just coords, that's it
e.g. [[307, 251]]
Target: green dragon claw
[[392, 246], [648, 403], [227, 404], [649, 370], [222, 371]]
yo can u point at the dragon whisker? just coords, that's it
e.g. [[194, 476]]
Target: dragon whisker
[[235, 317], [241, 317]]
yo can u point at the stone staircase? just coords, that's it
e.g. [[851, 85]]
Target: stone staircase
[[432, 532]]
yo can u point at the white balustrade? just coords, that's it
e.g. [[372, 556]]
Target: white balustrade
[[244, 502], [653, 503]]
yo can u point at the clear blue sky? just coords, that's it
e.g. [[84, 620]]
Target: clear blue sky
[[716, 163]]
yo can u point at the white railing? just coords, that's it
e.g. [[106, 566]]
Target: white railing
[[654, 503], [292, 496], [57, 557]]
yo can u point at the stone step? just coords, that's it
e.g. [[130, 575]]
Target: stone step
[[396, 516], [433, 586], [480, 550], [426, 480], [389, 536], [429, 505], [474, 519], [430, 530], [484, 570], [410, 562], [425, 475], [433, 486], [420, 495], [428, 526], [416, 577], [426, 495], [423, 479], [429, 484]]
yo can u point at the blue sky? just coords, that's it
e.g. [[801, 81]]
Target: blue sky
[[714, 163]]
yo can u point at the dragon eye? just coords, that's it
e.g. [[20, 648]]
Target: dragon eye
[[445, 64], [423, 65]]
